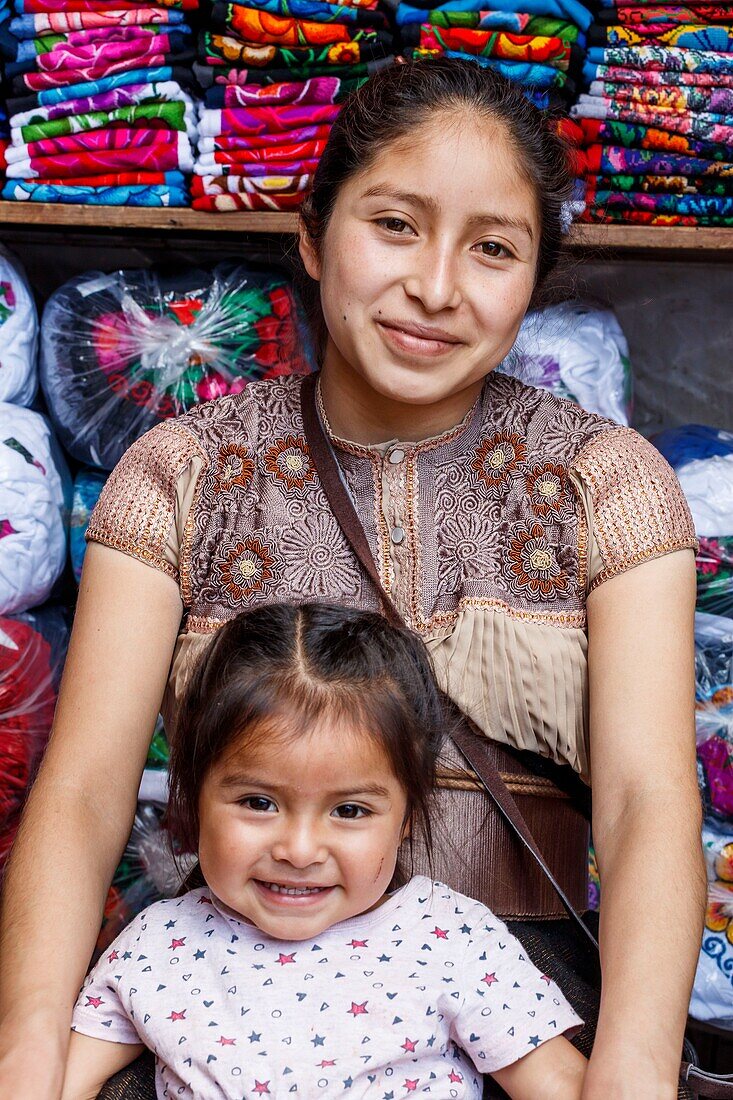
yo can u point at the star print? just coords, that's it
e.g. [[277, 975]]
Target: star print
[[411, 1086], [176, 1015], [94, 1002], [490, 979], [348, 1083], [455, 1077], [534, 1041], [112, 956], [171, 924], [199, 954], [465, 929], [319, 1040], [254, 1037], [431, 1040], [545, 978], [262, 1088], [226, 1042], [358, 1010], [127, 955], [283, 959], [177, 943], [203, 900], [357, 943], [322, 1064], [384, 958], [410, 1044], [440, 933]]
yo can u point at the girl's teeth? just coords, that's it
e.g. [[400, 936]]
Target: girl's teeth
[[294, 890]]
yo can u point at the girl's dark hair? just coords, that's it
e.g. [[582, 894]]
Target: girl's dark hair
[[295, 663], [401, 97]]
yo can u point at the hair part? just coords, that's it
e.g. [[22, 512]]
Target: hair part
[[397, 100], [286, 666]]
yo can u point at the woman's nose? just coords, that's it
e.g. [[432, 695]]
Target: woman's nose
[[300, 843], [434, 279]]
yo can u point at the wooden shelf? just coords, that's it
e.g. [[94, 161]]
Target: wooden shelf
[[617, 238]]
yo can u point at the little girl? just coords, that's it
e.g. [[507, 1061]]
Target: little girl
[[303, 760]]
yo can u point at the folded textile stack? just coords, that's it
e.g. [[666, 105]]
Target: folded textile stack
[[539, 43], [121, 352], [576, 351], [656, 124], [99, 103], [275, 73]]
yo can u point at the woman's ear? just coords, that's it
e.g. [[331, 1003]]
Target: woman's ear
[[308, 253]]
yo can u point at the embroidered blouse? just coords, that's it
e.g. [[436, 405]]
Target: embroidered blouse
[[489, 537]]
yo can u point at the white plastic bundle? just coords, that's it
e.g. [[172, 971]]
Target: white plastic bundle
[[577, 351], [18, 334], [712, 994], [35, 497]]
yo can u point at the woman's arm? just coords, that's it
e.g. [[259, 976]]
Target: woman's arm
[[555, 1071], [80, 811], [91, 1062], [646, 824]]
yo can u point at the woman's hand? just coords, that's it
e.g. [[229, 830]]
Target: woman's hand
[[80, 811], [554, 1071], [646, 823]]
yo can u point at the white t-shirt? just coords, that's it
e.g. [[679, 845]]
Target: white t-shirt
[[384, 1004]]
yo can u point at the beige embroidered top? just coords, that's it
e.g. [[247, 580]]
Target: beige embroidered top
[[489, 537]]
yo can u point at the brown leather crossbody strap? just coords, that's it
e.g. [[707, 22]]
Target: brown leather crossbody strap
[[469, 743]]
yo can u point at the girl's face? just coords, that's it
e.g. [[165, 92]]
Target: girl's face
[[428, 262], [299, 834]]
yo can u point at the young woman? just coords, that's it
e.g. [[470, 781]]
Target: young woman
[[543, 554]]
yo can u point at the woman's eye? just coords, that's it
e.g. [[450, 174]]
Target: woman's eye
[[493, 249], [259, 804], [350, 812], [394, 225]]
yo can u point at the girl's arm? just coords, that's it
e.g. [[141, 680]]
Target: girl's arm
[[80, 811], [646, 824], [91, 1062], [555, 1071]]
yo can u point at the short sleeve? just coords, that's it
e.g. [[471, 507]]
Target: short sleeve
[[99, 1010], [509, 1007], [139, 510], [635, 507]]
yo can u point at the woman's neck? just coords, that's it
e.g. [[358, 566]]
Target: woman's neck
[[358, 413]]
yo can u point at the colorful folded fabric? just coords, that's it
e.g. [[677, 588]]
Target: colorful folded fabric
[[688, 185], [172, 116], [610, 159], [714, 128], [33, 26], [657, 78], [509, 47], [649, 137], [167, 91], [26, 190], [696, 205], [662, 58], [716, 39], [600, 214]]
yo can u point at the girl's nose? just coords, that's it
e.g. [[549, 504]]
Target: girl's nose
[[300, 844], [433, 279]]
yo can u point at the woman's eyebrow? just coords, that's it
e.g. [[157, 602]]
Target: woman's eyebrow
[[424, 202]]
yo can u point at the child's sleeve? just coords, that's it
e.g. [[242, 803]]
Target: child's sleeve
[[509, 1007], [101, 1007]]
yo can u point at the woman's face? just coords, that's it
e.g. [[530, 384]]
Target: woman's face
[[428, 262]]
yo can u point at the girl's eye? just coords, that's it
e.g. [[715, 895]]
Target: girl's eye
[[350, 812], [394, 225], [493, 249], [259, 804]]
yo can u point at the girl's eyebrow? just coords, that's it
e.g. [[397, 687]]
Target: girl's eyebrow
[[241, 779], [424, 202]]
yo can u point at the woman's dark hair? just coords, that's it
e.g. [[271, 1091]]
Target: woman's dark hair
[[401, 97], [295, 663]]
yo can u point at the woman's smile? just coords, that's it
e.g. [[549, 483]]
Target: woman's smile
[[415, 339]]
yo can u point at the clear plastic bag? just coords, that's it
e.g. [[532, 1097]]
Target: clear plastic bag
[[577, 351], [714, 717], [712, 994], [18, 334], [35, 499], [121, 352], [32, 653], [88, 484]]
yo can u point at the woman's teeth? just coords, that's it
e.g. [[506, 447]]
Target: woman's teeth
[[293, 890]]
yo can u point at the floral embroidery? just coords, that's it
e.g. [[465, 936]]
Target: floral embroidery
[[235, 467], [467, 546], [547, 487], [532, 567], [497, 458], [246, 568], [316, 560], [290, 461]]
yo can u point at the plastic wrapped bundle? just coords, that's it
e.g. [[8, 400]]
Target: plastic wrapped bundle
[[35, 497], [32, 651], [577, 351], [18, 334], [714, 718], [88, 484], [121, 352], [702, 458], [712, 994]]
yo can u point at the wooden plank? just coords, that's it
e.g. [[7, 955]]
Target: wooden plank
[[636, 238]]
